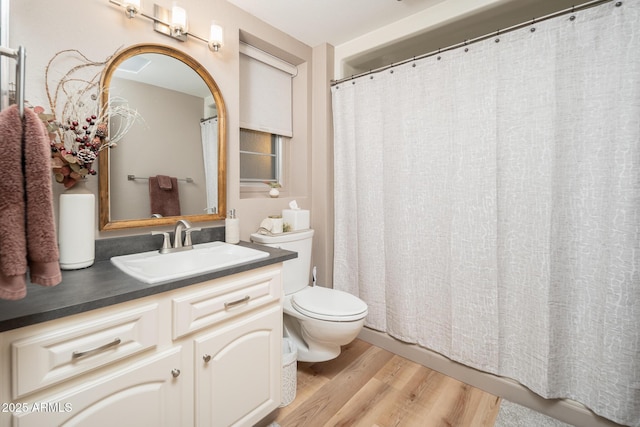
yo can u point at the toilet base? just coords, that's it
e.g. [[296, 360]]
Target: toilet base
[[308, 351], [312, 349]]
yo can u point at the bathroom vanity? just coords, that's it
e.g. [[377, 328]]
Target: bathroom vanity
[[204, 351]]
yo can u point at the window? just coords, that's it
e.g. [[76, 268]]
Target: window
[[260, 159], [265, 115]]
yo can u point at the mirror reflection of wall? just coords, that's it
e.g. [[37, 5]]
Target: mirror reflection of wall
[[168, 142]]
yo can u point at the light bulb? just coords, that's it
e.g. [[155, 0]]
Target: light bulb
[[178, 19], [215, 37]]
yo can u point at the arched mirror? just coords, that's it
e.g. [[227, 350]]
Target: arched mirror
[[178, 145]]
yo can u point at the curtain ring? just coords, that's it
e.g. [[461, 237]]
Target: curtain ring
[[572, 17]]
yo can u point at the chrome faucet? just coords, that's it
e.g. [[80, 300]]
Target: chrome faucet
[[178, 243], [182, 224]]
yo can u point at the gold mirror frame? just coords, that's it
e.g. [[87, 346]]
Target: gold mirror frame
[[105, 222]]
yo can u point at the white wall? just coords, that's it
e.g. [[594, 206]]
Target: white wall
[[430, 18], [98, 28]]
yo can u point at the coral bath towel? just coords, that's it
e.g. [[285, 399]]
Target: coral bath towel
[[27, 226]]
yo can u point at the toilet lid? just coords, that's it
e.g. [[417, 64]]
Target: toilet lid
[[329, 304]]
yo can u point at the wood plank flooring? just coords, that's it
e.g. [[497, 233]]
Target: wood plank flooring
[[369, 386]]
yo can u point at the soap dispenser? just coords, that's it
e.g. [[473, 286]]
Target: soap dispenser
[[232, 228]]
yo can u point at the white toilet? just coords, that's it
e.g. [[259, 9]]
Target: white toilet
[[319, 320]]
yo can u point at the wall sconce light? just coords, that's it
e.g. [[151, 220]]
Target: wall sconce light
[[171, 23]]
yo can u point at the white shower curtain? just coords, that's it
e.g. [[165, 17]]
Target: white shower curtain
[[209, 135], [487, 205]]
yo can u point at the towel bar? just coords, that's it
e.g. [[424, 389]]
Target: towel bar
[[133, 178], [19, 55]]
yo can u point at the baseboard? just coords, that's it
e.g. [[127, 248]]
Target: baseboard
[[565, 410]]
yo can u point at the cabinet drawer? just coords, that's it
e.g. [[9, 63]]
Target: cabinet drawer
[[48, 358], [225, 299]]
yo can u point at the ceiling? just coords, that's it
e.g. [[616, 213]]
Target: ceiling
[[161, 70], [314, 22]]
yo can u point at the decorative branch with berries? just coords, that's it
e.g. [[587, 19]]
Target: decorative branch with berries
[[79, 128]]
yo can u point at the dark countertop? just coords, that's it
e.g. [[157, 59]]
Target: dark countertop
[[103, 284]]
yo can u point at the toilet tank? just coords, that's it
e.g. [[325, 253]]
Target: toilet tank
[[295, 272]]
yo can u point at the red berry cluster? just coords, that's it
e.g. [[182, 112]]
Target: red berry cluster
[[82, 132]]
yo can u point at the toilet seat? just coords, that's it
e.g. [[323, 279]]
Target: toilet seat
[[328, 304]]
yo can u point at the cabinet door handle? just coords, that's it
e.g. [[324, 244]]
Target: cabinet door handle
[[79, 354], [206, 358], [236, 302], [175, 373]]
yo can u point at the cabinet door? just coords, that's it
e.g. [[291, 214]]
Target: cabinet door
[[144, 394], [238, 370]]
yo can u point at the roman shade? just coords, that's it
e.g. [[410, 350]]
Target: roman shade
[[265, 92]]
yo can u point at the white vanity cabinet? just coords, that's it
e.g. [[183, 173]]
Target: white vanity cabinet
[[203, 355], [237, 347], [236, 380], [141, 394]]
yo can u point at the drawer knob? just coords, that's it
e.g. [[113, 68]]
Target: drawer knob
[[79, 354], [206, 358], [231, 304], [175, 373]]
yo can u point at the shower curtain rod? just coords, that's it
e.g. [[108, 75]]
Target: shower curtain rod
[[572, 9]]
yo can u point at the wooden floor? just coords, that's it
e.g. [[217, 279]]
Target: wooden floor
[[369, 386]]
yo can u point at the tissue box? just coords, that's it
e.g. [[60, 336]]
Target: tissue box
[[298, 219]]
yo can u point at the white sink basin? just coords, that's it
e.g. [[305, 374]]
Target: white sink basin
[[154, 267]]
